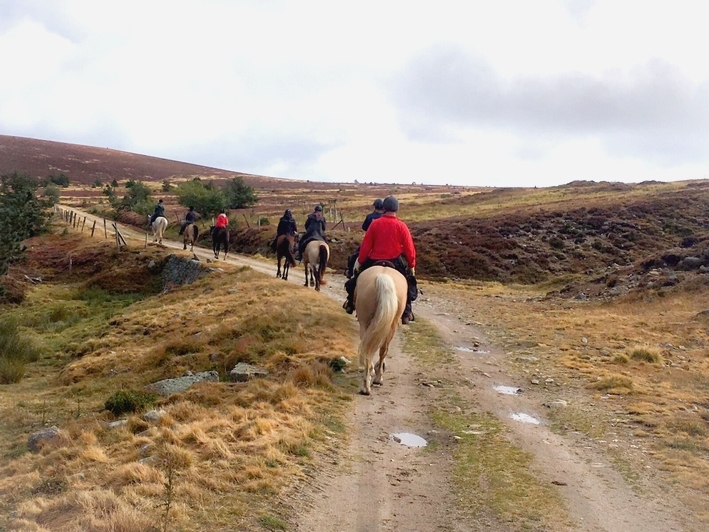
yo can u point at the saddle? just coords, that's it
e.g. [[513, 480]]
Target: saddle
[[385, 263]]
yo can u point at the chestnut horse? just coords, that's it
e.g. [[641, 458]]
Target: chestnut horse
[[285, 248], [380, 299], [315, 258], [190, 236]]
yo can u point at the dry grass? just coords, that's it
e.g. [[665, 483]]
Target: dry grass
[[228, 448]]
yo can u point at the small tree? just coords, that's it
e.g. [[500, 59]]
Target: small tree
[[239, 194], [59, 179], [52, 192], [207, 201], [22, 215]]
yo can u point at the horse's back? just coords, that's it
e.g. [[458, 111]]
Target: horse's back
[[368, 290]]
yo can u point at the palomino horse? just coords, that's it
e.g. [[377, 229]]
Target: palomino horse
[[220, 238], [315, 259], [380, 299], [158, 226], [190, 236], [285, 246]]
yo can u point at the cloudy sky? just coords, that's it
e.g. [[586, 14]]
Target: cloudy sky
[[498, 93]]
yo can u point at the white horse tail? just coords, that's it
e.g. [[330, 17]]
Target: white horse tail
[[385, 315]]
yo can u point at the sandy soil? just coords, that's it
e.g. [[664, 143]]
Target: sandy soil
[[377, 484]]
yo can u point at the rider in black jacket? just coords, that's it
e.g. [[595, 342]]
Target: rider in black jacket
[[314, 230], [286, 226]]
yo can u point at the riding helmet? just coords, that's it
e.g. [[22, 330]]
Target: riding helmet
[[287, 214], [378, 204], [391, 204], [318, 207]]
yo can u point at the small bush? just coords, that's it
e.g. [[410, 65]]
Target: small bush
[[645, 355], [125, 401]]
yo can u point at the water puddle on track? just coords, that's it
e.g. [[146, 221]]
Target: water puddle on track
[[408, 439], [524, 418], [508, 390], [465, 349]]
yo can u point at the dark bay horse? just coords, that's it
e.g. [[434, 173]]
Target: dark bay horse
[[220, 238], [285, 249], [190, 236], [380, 299]]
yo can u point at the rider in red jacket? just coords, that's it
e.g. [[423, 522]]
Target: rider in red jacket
[[222, 220], [387, 239]]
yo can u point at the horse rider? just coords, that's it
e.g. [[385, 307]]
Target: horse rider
[[190, 218], [222, 220], [314, 230], [159, 211], [374, 215], [286, 226], [387, 239]]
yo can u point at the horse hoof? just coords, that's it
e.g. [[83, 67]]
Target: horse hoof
[[364, 392]]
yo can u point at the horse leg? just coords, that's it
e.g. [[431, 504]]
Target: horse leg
[[286, 268], [278, 271], [380, 366], [306, 274], [366, 388]]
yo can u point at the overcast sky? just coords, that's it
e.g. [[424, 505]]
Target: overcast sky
[[497, 93]]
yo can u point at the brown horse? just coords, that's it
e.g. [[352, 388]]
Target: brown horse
[[380, 299], [285, 248], [220, 238], [315, 258], [190, 236]]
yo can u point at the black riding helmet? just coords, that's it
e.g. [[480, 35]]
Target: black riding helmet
[[378, 204], [318, 207], [391, 204], [287, 214]]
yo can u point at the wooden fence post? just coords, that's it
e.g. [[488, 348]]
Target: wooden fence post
[[93, 228], [83, 224], [105, 231]]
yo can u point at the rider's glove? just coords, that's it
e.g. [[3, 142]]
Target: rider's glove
[[356, 267]]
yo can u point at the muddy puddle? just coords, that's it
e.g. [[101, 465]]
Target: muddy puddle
[[508, 390], [465, 349], [408, 439], [524, 418]]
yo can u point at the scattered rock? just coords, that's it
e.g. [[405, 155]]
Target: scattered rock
[[180, 384], [39, 439], [116, 424], [243, 372], [153, 416]]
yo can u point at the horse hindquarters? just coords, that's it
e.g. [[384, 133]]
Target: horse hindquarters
[[377, 332]]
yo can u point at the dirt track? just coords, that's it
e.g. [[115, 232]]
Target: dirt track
[[378, 484]]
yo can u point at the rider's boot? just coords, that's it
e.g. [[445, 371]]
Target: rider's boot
[[349, 303], [408, 314]]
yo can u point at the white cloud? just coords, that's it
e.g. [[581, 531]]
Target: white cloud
[[488, 93]]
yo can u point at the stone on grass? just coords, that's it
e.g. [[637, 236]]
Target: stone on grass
[[153, 416], [243, 372], [38, 439], [181, 384]]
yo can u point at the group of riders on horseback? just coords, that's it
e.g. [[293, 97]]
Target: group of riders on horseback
[[387, 241]]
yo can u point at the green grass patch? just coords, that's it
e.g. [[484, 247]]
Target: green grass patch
[[272, 522], [16, 350]]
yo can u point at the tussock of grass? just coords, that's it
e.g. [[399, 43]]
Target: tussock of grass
[[614, 382], [16, 350], [646, 355]]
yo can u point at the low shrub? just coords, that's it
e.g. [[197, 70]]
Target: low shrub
[[125, 401], [15, 352]]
